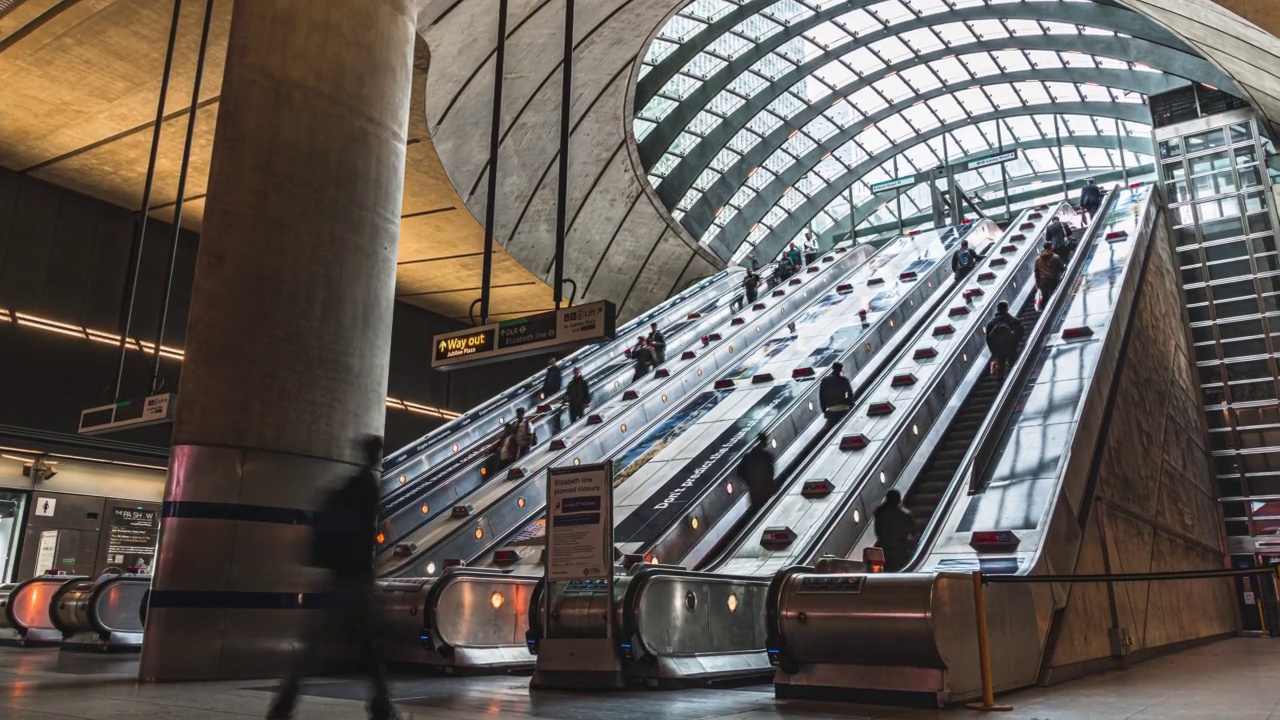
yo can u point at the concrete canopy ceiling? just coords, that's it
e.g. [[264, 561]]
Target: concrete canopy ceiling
[[79, 81]]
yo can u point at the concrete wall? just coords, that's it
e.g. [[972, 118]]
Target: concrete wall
[[1155, 500]]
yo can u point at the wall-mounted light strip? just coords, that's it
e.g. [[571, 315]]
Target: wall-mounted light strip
[[85, 333]]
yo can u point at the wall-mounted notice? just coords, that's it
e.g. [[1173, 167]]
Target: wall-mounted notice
[[132, 537], [48, 551], [580, 522]]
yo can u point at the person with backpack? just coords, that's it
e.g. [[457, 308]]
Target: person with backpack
[[1004, 333], [835, 394], [579, 395], [1049, 269], [551, 385], [343, 542], [525, 437], [895, 532], [750, 285], [643, 357], [506, 450], [658, 343], [964, 260], [1090, 199], [757, 472], [1059, 236]]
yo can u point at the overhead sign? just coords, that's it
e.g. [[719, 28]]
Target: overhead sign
[[539, 333], [986, 160], [580, 523], [893, 184], [151, 410]]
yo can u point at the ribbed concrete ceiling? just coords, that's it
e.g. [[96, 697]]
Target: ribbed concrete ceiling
[[79, 81]]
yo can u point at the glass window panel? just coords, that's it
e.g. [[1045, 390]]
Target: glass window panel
[[1250, 176], [1226, 291], [1217, 184], [1231, 268], [1244, 348], [1197, 295], [1170, 148], [1255, 201], [1178, 191], [1205, 353], [1241, 132], [1200, 313], [1215, 209], [1209, 374], [1210, 163], [1249, 370], [892, 50], [1246, 155], [1240, 329], [1226, 251], [1174, 170], [1253, 392], [1192, 275], [1185, 236], [1236, 308], [1205, 141], [1267, 263], [1261, 222], [922, 40], [1202, 334], [1221, 229], [1181, 215]]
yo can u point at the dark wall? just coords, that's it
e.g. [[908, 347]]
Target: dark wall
[[66, 257]]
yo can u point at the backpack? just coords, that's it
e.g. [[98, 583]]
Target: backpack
[[1000, 337], [965, 258]]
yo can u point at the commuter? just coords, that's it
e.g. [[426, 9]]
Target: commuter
[[835, 394], [783, 272], [755, 264], [1049, 269], [643, 357], [756, 470], [1059, 235], [810, 249], [658, 343], [964, 260], [793, 254], [1004, 333], [750, 284], [525, 437], [895, 532], [1090, 199], [579, 394], [507, 451], [343, 543], [551, 385]]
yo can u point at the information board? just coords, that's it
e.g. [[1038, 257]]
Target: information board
[[544, 332], [580, 523], [47, 552], [132, 537]]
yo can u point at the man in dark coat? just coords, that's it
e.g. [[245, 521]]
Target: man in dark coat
[[1090, 198], [895, 532], [343, 542], [551, 385], [964, 260], [1004, 334], [756, 470], [1049, 269], [579, 395], [643, 357], [657, 343], [835, 394], [750, 285]]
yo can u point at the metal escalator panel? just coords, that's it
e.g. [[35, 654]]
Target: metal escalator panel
[[504, 504], [430, 498], [682, 492], [873, 445], [426, 457]]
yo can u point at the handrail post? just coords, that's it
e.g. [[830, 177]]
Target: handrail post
[[984, 651]]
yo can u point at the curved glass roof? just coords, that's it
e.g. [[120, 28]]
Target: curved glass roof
[[757, 120]]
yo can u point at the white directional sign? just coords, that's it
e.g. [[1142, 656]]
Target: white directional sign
[[991, 160], [580, 522]]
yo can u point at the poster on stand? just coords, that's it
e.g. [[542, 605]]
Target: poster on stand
[[132, 537], [580, 523]]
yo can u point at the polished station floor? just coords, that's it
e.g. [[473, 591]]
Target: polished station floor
[[1237, 679]]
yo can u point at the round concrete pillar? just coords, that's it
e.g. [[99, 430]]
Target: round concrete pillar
[[290, 327]]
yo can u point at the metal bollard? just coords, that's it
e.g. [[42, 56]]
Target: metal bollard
[[988, 703]]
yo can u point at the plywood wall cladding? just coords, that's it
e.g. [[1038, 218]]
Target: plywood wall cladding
[[80, 113], [1157, 507]]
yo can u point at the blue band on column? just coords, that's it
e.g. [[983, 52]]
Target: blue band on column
[[238, 513]]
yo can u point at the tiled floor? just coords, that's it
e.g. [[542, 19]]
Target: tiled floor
[[1235, 679]]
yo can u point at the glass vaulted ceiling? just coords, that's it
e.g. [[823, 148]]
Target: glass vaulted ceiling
[[760, 119]]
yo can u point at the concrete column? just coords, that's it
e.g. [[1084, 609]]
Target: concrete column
[[290, 328]]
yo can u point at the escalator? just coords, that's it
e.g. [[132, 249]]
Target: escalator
[[931, 484]]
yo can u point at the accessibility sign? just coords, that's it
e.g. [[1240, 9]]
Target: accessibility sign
[[580, 522]]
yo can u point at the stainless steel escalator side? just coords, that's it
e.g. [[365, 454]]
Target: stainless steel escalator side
[[1033, 494], [507, 503], [603, 364]]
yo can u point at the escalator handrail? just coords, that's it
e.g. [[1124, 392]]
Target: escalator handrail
[[976, 459]]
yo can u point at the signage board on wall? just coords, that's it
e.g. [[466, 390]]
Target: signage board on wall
[[544, 332], [45, 506], [47, 552], [580, 523], [132, 536]]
